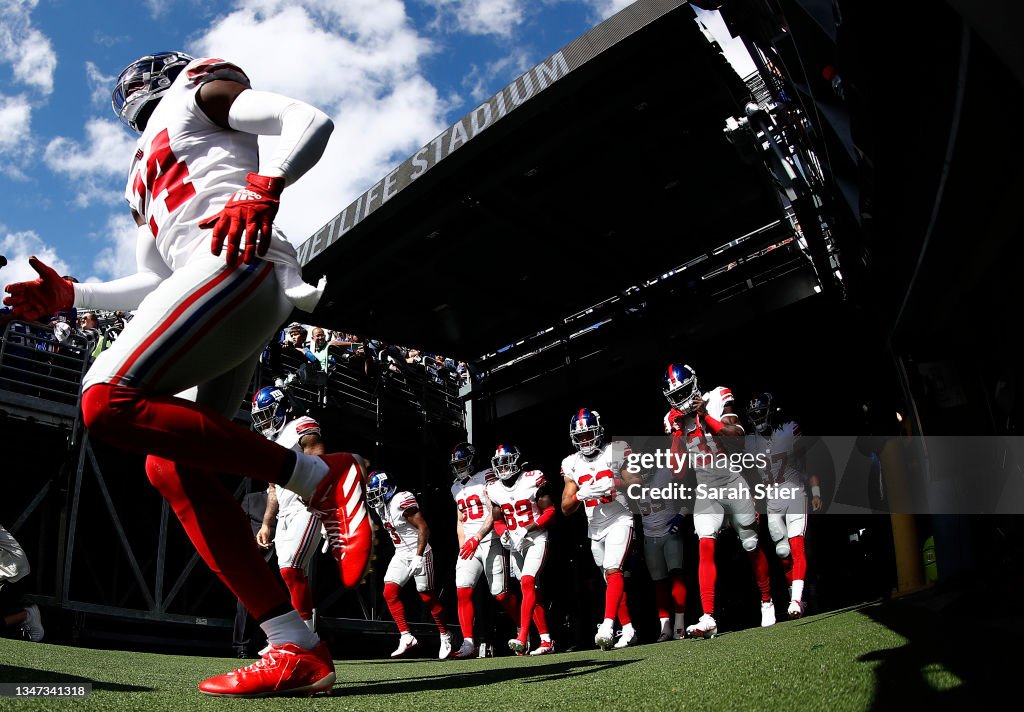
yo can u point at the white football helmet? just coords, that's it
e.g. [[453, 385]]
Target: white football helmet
[[142, 83]]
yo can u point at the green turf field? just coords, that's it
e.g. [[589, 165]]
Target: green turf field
[[838, 661]]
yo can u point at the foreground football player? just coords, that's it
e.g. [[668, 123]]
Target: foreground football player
[[592, 475], [400, 515], [703, 423], [214, 283], [480, 552], [297, 533], [522, 511], [778, 438]]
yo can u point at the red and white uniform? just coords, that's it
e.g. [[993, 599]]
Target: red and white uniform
[[405, 537], [787, 516], [299, 531], [490, 557], [518, 504], [663, 552], [609, 521]]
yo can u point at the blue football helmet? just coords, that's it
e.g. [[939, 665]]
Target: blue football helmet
[[585, 431], [379, 489], [142, 83], [506, 462], [462, 461], [763, 413], [269, 409], [680, 386]]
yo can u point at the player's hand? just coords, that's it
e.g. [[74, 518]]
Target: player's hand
[[469, 548], [251, 212], [699, 407], [263, 537], [521, 542], [588, 490], [417, 565], [675, 523], [41, 297], [815, 503], [506, 539]]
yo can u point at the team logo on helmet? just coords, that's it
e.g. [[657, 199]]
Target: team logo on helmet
[[585, 431], [269, 409], [379, 489]]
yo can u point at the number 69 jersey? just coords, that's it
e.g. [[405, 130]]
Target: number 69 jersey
[[603, 467], [471, 498], [518, 503]]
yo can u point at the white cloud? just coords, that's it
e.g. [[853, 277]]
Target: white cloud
[[100, 85], [480, 80], [17, 247], [480, 17], [15, 131], [607, 8], [29, 52], [117, 258], [106, 154]]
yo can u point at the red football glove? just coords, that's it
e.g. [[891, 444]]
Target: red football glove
[[250, 211], [41, 297], [469, 548]]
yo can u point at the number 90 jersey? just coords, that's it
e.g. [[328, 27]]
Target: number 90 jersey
[[471, 499], [518, 503], [781, 449], [604, 467]]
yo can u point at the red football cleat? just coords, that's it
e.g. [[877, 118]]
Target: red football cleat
[[285, 670], [341, 504]]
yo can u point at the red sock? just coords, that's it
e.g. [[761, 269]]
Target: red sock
[[509, 603], [679, 591], [706, 574], [395, 606], [182, 431], [662, 598], [466, 611], [436, 610], [526, 610], [796, 545], [760, 563], [787, 568], [302, 594], [623, 611], [613, 594], [539, 618], [220, 532]]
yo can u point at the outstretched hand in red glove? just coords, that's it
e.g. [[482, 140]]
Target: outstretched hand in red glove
[[41, 297], [251, 212]]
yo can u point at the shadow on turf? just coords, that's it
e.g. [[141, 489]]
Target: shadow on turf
[[11, 673], [477, 678]]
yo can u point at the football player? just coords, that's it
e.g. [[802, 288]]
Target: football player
[[778, 439], [663, 548], [592, 476], [701, 426], [213, 285], [298, 530], [400, 515], [480, 552], [522, 510]]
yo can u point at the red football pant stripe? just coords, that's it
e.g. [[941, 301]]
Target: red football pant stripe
[[184, 432], [436, 610], [760, 564], [220, 532], [394, 602], [301, 593], [799, 554], [706, 574], [613, 594], [466, 611]]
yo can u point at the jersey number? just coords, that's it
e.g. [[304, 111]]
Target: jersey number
[[599, 476], [777, 468], [394, 534], [471, 508], [164, 172], [649, 508], [522, 509]]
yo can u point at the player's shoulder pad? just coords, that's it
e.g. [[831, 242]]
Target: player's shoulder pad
[[206, 69], [792, 427], [537, 476], [306, 426], [568, 464], [620, 449], [487, 476], [405, 500]]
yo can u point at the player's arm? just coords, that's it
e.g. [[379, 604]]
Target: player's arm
[[414, 517], [499, 520], [488, 522], [313, 444], [728, 426], [547, 512], [815, 485], [273, 506], [569, 501]]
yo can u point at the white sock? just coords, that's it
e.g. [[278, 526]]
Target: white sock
[[608, 623], [545, 637], [289, 628], [798, 591], [467, 640], [679, 621], [309, 471], [627, 630], [664, 623]]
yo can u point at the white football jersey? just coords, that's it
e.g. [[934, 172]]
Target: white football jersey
[[605, 464], [290, 436], [657, 513], [780, 448], [705, 452], [518, 502], [403, 535], [474, 505], [186, 168]]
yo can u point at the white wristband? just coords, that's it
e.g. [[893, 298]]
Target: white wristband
[[815, 491]]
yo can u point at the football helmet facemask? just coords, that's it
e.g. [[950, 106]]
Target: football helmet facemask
[[142, 83], [269, 410], [762, 413], [379, 489], [586, 432], [462, 461], [680, 386], [506, 462]]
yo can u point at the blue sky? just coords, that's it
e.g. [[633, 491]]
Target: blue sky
[[392, 75]]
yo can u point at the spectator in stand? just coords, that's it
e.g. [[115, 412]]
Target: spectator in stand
[[414, 358], [320, 348]]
